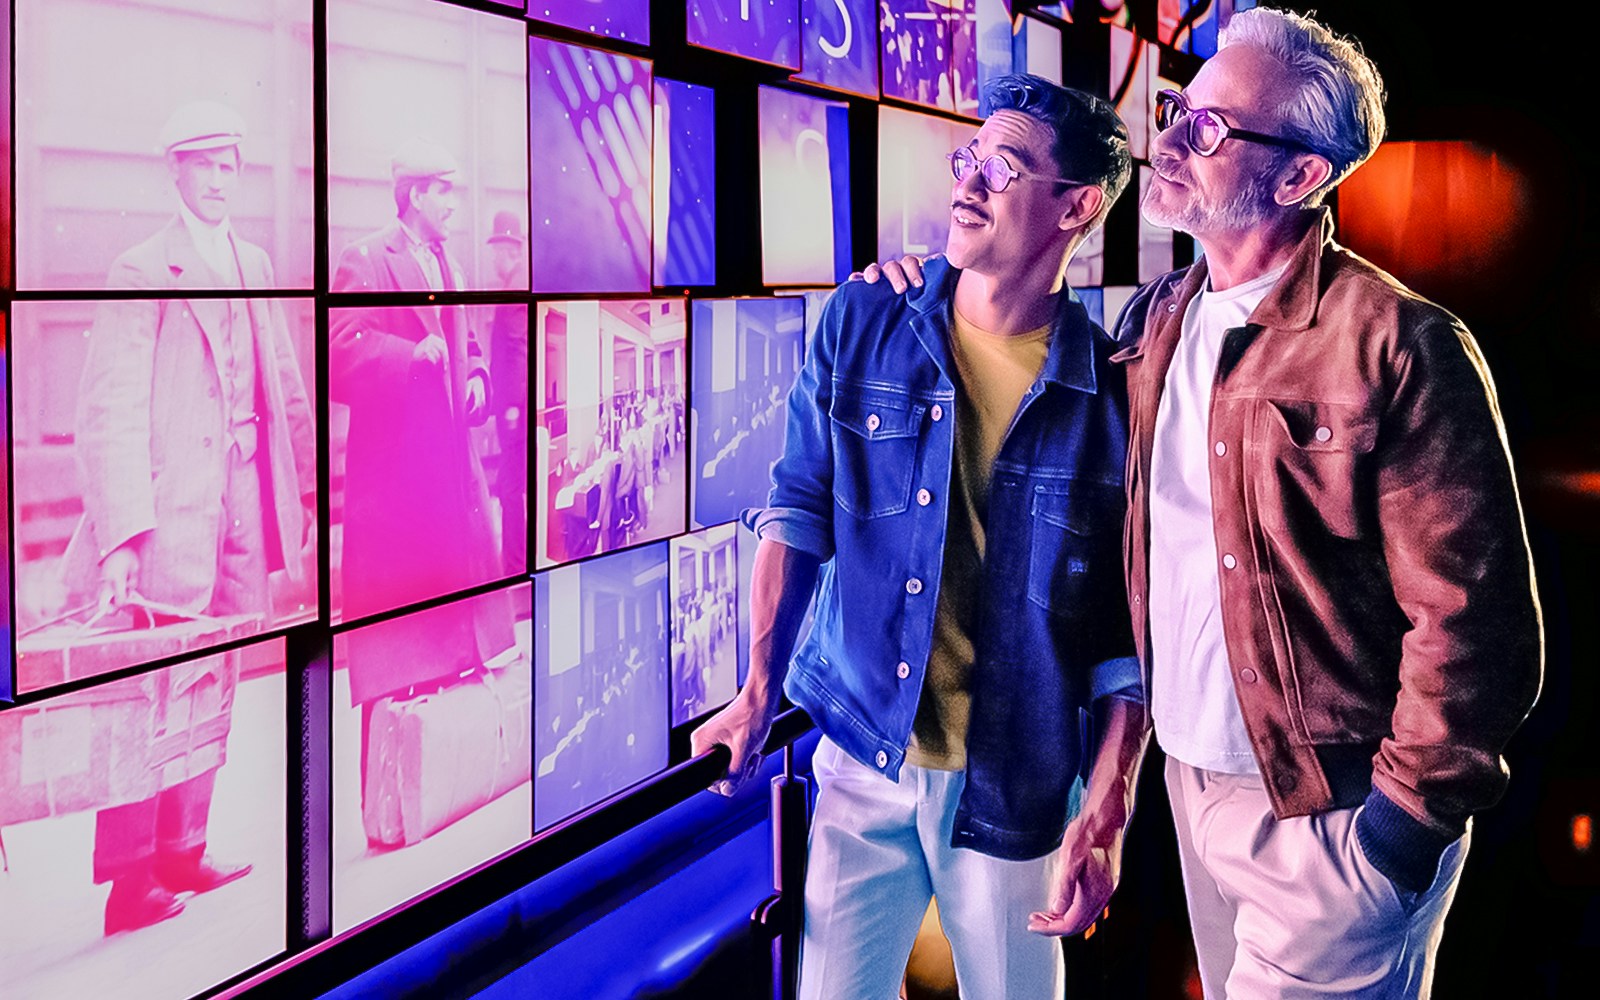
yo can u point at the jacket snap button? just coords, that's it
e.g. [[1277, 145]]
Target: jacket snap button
[[924, 498], [903, 670], [1248, 675], [1172, 308], [1222, 449], [937, 413], [1229, 562], [913, 586], [1285, 783], [883, 759], [873, 422], [1324, 434]]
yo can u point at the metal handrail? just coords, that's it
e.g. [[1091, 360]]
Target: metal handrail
[[326, 965]]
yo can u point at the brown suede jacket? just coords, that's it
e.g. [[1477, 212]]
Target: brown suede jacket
[[1378, 598]]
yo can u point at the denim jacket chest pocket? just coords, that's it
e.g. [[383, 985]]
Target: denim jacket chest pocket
[[1076, 539], [875, 439], [1314, 464]]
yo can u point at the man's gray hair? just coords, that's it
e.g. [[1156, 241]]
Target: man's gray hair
[[1336, 106]]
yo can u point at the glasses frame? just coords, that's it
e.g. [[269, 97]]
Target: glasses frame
[[980, 167], [1172, 98]]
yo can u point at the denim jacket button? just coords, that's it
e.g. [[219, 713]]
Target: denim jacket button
[[883, 759], [924, 498], [903, 670], [1248, 675], [873, 422], [1324, 434], [1222, 449], [913, 586], [1228, 561], [937, 413]]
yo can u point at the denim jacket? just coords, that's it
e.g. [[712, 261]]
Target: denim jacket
[[864, 484]]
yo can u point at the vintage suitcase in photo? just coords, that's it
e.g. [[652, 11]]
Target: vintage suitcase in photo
[[434, 758]]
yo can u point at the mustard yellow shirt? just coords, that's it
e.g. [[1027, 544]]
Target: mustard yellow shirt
[[995, 371]]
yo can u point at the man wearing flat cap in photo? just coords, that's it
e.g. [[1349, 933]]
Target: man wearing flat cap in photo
[[508, 348], [416, 501], [196, 447]]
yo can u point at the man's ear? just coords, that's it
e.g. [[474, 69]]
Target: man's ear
[[1305, 173], [1083, 204]]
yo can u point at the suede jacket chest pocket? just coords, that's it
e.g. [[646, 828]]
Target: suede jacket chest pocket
[[1316, 470], [876, 432]]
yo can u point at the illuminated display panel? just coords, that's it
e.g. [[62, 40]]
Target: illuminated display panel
[[840, 45], [600, 679], [685, 184], [805, 188], [6, 612], [764, 30], [609, 426], [1133, 67], [223, 89], [628, 20], [916, 45], [592, 113], [705, 621], [433, 754], [421, 195], [426, 458], [747, 353], [110, 798], [164, 500], [1038, 49], [914, 181]]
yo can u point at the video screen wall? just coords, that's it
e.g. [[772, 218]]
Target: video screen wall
[[452, 407]]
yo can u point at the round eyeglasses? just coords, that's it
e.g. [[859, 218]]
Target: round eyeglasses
[[1207, 130], [994, 169]]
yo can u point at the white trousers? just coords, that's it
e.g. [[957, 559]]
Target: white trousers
[[878, 851], [1292, 908]]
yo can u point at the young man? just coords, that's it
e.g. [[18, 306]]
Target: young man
[[953, 463]]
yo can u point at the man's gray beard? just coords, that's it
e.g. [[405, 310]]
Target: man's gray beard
[[1245, 210]]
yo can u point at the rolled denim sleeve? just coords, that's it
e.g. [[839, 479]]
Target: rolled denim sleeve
[[799, 511], [1116, 678]]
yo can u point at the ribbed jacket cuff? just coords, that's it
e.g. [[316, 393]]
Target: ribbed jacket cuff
[[1398, 845]]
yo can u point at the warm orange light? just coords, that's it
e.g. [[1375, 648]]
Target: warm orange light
[[1582, 833]]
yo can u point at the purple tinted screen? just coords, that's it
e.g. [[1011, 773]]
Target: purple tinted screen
[[840, 44], [165, 500], [914, 181], [592, 124], [609, 426], [805, 188], [747, 353], [600, 679], [428, 454], [705, 621], [628, 20], [105, 789], [766, 30], [916, 40], [685, 184], [433, 748]]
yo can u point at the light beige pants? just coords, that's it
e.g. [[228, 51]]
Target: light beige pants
[[1292, 908]]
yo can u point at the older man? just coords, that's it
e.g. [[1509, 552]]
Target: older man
[[1330, 581], [954, 463], [1328, 571], [197, 447]]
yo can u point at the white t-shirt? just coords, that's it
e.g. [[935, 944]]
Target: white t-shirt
[[1196, 712]]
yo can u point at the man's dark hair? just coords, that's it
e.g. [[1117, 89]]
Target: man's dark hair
[[1091, 142]]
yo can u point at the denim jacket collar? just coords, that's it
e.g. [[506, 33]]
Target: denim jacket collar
[[1070, 361]]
